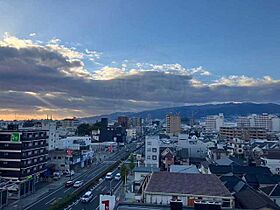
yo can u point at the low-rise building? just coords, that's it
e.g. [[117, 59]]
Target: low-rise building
[[271, 159], [189, 188]]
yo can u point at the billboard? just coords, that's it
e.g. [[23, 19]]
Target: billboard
[[15, 137], [107, 202]]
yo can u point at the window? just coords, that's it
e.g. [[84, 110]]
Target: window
[[149, 143], [148, 157], [154, 149], [29, 153], [154, 157], [148, 149], [36, 143], [29, 162], [58, 157], [5, 162]]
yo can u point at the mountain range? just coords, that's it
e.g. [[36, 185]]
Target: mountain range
[[229, 110]]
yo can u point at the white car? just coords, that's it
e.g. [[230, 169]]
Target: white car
[[118, 176], [109, 175], [70, 173], [78, 184], [87, 197]]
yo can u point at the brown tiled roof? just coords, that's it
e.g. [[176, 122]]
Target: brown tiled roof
[[195, 184]]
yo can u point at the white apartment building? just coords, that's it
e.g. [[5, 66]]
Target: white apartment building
[[152, 151], [214, 122], [195, 147], [52, 132], [267, 121]]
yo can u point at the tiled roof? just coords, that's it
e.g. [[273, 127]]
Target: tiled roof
[[179, 183], [239, 169]]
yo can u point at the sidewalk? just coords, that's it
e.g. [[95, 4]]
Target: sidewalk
[[45, 188]]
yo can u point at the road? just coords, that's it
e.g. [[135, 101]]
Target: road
[[105, 186], [46, 201]]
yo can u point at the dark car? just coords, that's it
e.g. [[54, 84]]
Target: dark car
[[69, 183]]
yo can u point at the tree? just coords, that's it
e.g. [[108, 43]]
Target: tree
[[84, 129], [124, 172], [131, 162]]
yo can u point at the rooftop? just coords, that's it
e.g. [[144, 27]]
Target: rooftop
[[181, 183]]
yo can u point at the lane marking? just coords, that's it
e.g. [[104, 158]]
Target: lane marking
[[50, 201]]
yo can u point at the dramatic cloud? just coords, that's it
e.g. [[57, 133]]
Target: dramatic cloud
[[39, 78]]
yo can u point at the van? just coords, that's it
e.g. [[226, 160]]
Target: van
[[87, 197]]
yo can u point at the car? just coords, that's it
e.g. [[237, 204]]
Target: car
[[109, 175], [87, 197], [118, 176], [78, 184], [69, 183], [70, 173]]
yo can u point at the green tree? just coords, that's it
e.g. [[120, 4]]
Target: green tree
[[84, 129], [124, 172], [131, 162]]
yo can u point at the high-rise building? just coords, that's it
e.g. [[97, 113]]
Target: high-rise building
[[173, 124], [214, 122], [123, 121], [23, 154]]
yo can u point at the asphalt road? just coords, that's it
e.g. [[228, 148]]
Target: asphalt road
[[46, 201], [105, 186]]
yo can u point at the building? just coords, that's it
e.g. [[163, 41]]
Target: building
[[152, 151], [173, 124], [194, 147], [271, 159], [123, 121], [162, 187], [52, 132], [244, 133], [23, 153], [268, 121], [214, 122]]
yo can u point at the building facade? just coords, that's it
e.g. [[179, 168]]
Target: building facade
[[23, 153], [173, 124], [214, 122], [152, 151], [244, 133]]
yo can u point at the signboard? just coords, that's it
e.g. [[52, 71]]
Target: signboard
[[15, 137], [69, 152], [107, 202]]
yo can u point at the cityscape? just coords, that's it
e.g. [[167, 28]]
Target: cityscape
[[139, 105]]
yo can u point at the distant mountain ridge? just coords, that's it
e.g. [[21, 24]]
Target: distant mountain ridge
[[198, 111]]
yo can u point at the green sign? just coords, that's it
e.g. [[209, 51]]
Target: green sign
[[15, 137]]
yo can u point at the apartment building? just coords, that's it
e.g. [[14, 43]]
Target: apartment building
[[214, 122], [267, 121], [152, 151], [23, 153], [173, 124], [244, 133]]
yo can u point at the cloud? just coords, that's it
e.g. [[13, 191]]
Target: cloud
[[38, 78]]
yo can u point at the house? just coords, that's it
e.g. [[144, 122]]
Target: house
[[238, 170], [271, 159], [189, 188], [273, 192], [252, 199]]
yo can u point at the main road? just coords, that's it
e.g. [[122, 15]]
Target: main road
[[61, 192]]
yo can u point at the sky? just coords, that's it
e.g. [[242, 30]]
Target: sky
[[83, 58]]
